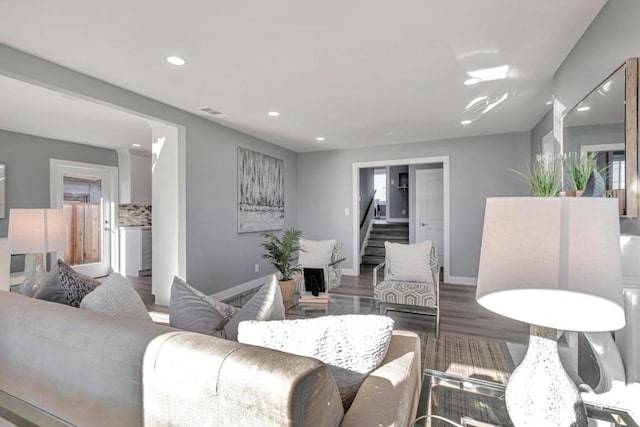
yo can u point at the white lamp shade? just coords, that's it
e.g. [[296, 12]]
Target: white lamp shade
[[553, 261], [36, 231]]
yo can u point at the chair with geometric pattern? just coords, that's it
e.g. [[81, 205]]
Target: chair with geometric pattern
[[411, 280]]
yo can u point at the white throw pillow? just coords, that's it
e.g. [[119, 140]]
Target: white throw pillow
[[266, 304], [316, 253], [408, 263], [116, 297], [351, 345], [191, 310]]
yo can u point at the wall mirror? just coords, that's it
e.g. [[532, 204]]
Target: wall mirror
[[605, 123], [3, 186]]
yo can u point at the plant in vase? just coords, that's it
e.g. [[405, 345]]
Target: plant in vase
[[279, 251], [543, 176], [580, 167]]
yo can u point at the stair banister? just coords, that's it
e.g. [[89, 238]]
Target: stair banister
[[366, 211]]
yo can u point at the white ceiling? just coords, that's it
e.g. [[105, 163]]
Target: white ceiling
[[34, 110], [359, 72]]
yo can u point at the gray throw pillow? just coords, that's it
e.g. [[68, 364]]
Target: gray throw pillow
[[116, 297], [266, 304], [351, 345], [67, 286], [191, 310]]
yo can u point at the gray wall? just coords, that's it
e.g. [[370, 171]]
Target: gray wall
[[27, 159], [543, 127], [477, 170], [398, 199], [366, 188], [217, 257], [611, 38], [27, 174]]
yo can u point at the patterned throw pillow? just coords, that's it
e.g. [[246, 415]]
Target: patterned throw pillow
[[191, 310], [351, 345], [67, 286]]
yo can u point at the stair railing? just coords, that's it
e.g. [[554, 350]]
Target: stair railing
[[366, 211]]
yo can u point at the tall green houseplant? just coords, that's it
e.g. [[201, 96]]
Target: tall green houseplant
[[543, 177], [279, 251], [580, 166]]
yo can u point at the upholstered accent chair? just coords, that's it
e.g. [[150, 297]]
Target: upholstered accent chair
[[411, 280], [325, 254]]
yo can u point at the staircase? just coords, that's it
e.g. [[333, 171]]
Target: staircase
[[380, 233]]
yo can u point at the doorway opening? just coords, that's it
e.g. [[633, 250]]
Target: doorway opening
[[83, 208], [88, 195], [405, 180], [380, 187]]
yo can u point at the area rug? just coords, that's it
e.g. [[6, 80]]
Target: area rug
[[468, 356]]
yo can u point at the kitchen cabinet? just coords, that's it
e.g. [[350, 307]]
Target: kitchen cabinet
[[135, 251]]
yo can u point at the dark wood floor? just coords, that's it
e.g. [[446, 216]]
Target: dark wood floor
[[460, 313]]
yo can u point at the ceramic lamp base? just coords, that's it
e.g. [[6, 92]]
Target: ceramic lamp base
[[539, 392], [36, 277]]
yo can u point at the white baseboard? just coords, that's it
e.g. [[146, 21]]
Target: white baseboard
[[348, 272], [459, 280], [242, 287]]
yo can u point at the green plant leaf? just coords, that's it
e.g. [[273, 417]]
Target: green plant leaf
[[279, 251]]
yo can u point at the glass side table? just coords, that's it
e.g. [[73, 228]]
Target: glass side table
[[17, 412], [451, 400]]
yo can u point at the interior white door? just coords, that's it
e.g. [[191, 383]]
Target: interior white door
[[430, 209], [87, 193]]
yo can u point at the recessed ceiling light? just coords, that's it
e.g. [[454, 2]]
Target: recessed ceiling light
[[584, 108], [466, 122], [137, 145], [548, 103], [274, 113], [320, 138], [472, 81], [176, 60]]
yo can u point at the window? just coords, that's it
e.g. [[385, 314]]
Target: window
[[380, 184], [617, 172]]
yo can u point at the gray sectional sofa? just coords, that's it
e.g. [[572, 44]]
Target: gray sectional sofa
[[95, 370]]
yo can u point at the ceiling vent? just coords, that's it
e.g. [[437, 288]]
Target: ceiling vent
[[211, 111]]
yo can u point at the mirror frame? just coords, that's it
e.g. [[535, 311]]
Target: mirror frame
[[631, 138], [632, 199]]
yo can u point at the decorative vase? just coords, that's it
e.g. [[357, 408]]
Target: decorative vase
[[287, 289]]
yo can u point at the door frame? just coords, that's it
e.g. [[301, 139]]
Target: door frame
[[416, 221], [58, 167], [355, 271]]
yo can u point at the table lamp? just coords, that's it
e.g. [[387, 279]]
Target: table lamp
[[552, 262], [36, 232]]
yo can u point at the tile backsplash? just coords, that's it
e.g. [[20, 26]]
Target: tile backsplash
[[134, 215]]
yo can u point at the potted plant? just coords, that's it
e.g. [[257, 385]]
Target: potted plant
[[580, 166], [279, 252], [543, 176]]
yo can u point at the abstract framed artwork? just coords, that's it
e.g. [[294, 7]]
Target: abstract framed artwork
[[260, 192]]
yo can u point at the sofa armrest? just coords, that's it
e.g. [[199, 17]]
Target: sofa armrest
[[193, 379], [389, 395]]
